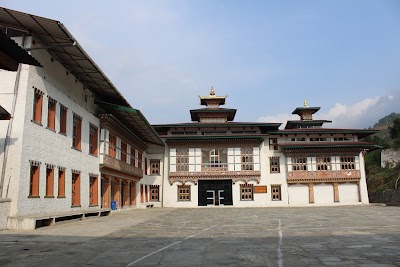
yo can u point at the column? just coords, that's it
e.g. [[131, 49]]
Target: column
[[311, 193]]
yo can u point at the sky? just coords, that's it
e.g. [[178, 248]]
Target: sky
[[267, 56]]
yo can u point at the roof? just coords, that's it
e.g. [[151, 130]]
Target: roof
[[359, 132], [60, 43], [134, 120], [292, 124], [11, 54], [194, 113], [4, 115], [299, 109], [263, 125], [314, 145]]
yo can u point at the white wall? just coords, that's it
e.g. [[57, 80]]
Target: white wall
[[34, 142], [348, 193], [323, 194], [298, 194]]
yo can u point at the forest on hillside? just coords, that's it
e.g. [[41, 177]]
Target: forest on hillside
[[381, 179]]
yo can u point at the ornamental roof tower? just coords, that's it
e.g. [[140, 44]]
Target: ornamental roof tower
[[213, 113], [306, 118]]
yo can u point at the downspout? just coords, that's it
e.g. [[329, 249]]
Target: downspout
[[10, 123]]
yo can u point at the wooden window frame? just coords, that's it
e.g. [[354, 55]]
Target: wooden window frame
[[37, 107], [49, 181], [246, 192], [348, 163], [93, 140], [124, 151], [247, 159], [299, 164], [276, 192], [140, 160], [63, 119], [273, 143], [76, 196], [184, 193], [155, 167], [182, 159], [61, 182], [112, 146], [154, 193], [51, 113], [274, 165], [324, 163], [93, 190], [77, 132], [34, 180]]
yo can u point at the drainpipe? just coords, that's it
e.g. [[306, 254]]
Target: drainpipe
[[10, 123]]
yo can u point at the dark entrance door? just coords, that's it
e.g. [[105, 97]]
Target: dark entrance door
[[215, 192]]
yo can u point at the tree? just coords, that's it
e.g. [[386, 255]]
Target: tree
[[395, 133]]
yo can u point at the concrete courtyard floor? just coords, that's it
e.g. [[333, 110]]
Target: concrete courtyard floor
[[317, 236]]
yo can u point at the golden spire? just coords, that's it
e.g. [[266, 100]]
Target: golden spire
[[212, 91], [305, 102]]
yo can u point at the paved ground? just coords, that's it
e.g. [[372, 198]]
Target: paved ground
[[352, 236]]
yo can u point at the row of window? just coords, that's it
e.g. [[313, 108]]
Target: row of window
[[246, 192], [63, 113], [323, 163], [49, 182]]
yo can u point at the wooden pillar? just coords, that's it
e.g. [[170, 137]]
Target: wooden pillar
[[311, 193], [133, 194], [126, 193], [335, 192]]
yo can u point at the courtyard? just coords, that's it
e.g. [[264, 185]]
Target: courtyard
[[318, 236]]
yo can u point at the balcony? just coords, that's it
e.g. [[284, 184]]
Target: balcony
[[214, 171], [294, 177], [116, 166]]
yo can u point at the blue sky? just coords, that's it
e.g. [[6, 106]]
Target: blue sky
[[267, 56]]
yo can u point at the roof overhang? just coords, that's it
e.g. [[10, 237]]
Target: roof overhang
[[4, 115], [292, 124], [134, 120], [221, 99], [11, 54], [360, 133], [194, 113], [299, 110], [58, 41], [326, 147]]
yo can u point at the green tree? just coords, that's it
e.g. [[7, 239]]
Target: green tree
[[395, 133]]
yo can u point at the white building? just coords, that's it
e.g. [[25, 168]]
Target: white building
[[215, 161]]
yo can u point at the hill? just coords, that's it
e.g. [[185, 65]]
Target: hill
[[381, 179]]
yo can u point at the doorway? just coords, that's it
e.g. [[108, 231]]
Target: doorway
[[215, 192]]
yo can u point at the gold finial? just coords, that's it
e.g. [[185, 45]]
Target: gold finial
[[305, 102], [212, 91]]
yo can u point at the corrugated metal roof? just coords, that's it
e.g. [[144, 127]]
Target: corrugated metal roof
[[14, 53], [52, 33]]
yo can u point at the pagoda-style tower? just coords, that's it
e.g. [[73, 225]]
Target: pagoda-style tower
[[306, 118], [213, 113]]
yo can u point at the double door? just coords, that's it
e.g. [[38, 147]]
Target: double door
[[215, 192], [215, 197]]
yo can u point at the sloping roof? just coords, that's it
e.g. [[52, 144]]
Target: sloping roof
[[134, 120], [294, 123], [359, 132], [60, 43], [4, 115], [11, 54], [299, 109], [194, 113]]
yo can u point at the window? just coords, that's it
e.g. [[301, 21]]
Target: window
[[347, 163], [154, 192], [299, 164], [214, 158], [276, 192], [324, 164], [37, 106], [273, 144], [183, 192], [155, 167], [93, 190], [140, 156], [34, 179], [76, 132], [247, 159], [93, 140], [246, 192], [274, 165], [49, 180], [112, 146], [61, 182], [76, 188], [51, 114], [146, 167], [182, 159], [63, 119], [124, 149]]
